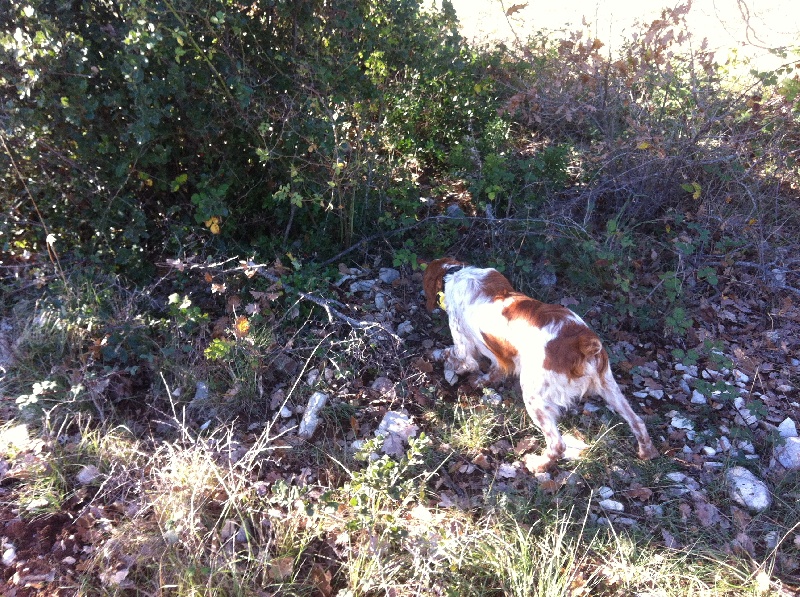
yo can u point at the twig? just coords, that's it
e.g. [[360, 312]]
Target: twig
[[326, 304], [321, 302]]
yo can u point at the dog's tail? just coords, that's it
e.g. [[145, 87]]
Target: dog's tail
[[574, 349], [592, 349]]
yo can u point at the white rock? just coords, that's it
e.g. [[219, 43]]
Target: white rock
[[789, 453], [605, 492], [388, 275], [680, 422], [709, 451], [746, 416], [612, 505], [787, 428], [396, 422], [507, 471], [740, 377], [657, 394], [698, 398], [654, 511], [396, 429], [690, 369], [362, 286], [311, 416], [87, 474], [748, 490], [201, 391], [771, 539], [9, 554], [286, 412], [676, 477]]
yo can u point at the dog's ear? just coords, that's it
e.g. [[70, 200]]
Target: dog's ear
[[433, 281]]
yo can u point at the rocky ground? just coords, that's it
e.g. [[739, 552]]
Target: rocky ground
[[722, 407]]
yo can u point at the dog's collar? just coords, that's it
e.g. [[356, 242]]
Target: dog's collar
[[440, 295]]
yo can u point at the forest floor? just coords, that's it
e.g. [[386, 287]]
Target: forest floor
[[714, 408]]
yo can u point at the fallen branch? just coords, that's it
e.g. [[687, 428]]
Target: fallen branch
[[327, 304]]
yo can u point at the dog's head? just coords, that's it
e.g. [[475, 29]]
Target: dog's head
[[433, 280]]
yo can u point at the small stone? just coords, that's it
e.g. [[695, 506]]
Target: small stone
[[385, 387], [201, 391], [679, 422], [387, 275], [747, 417], [787, 428], [740, 377], [380, 301], [362, 286], [605, 492], [788, 455], [87, 474], [405, 328], [657, 394], [698, 398], [9, 555], [286, 412], [654, 511], [311, 418], [612, 505], [676, 477], [709, 451], [454, 211], [748, 490]]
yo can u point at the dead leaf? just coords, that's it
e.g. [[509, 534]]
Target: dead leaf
[[669, 540], [526, 444], [637, 492], [281, 568], [515, 8], [234, 302], [322, 579], [422, 365], [707, 514]]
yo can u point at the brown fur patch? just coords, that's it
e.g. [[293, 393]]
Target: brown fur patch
[[535, 312], [496, 286], [503, 351], [570, 351], [433, 280]]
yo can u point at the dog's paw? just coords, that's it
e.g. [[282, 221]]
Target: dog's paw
[[648, 452], [439, 354], [538, 463], [450, 377]]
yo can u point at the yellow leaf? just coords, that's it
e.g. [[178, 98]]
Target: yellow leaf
[[643, 145], [241, 327]]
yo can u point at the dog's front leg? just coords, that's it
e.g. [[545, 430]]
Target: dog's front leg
[[459, 357]]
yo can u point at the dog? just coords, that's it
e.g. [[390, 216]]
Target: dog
[[557, 358]]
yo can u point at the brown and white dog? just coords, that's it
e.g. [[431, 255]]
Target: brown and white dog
[[557, 358]]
